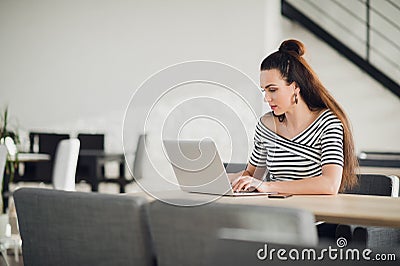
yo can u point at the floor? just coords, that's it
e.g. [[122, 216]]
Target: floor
[[11, 261], [103, 188]]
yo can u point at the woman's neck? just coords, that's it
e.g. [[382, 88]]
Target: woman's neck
[[299, 117]]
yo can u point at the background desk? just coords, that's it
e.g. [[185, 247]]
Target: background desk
[[31, 157], [387, 163], [342, 208], [92, 163], [22, 158]]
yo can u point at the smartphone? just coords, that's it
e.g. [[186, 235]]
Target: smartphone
[[280, 195]]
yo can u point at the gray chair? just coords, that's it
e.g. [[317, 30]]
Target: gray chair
[[77, 228], [188, 235], [4, 241], [377, 185]]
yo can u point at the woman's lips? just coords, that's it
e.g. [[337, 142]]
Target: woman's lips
[[273, 107]]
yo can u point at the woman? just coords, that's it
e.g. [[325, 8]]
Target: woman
[[305, 142]]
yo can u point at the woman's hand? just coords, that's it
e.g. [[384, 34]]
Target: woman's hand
[[247, 182], [233, 176]]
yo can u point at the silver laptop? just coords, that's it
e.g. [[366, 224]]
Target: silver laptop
[[198, 168]]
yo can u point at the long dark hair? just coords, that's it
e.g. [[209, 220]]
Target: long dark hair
[[289, 62]]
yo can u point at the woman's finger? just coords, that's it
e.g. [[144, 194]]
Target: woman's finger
[[241, 184], [236, 185], [234, 182]]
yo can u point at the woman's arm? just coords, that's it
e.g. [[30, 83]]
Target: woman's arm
[[327, 183]]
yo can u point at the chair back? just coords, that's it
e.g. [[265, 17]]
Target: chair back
[[65, 164], [187, 235], [78, 228], [3, 159], [91, 141], [376, 184], [84, 169]]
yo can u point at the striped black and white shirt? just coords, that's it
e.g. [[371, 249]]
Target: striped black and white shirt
[[302, 156]]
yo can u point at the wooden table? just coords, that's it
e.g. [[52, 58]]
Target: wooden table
[[342, 208]]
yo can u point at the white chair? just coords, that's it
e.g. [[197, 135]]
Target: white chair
[[140, 155], [3, 159], [65, 164]]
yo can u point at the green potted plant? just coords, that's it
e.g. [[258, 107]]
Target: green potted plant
[[10, 138]]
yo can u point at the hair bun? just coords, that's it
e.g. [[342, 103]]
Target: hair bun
[[292, 46]]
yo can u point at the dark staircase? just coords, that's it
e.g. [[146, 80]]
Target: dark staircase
[[366, 32]]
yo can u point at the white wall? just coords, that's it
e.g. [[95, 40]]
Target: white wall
[[72, 66]]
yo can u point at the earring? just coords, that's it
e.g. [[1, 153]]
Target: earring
[[295, 98]]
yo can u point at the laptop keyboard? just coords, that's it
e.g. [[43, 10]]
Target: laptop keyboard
[[244, 191]]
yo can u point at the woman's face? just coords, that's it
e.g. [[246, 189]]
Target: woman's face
[[277, 93]]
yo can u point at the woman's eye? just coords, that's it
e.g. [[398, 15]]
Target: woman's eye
[[268, 89]]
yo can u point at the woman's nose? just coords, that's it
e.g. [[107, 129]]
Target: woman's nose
[[266, 98]]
